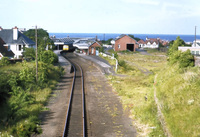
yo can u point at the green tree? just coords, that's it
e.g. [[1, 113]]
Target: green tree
[[107, 41], [43, 37], [49, 57], [29, 53], [132, 36], [184, 59]]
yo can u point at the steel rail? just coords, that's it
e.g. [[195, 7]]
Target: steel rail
[[83, 102], [70, 101]]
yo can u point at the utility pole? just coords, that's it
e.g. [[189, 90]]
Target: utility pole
[[36, 54], [195, 36]]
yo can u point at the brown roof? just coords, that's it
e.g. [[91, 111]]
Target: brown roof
[[141, 41], [151, 40]]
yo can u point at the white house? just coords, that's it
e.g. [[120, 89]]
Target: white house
[[15, 41], [149, 43], [195, 49]]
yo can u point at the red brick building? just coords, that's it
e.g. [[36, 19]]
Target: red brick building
[[93, 47], [124, 42]]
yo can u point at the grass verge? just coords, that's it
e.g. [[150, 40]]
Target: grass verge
[[136, 91]]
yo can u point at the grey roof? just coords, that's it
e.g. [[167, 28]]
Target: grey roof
[[7, 36], [65, 40], [4, 51]]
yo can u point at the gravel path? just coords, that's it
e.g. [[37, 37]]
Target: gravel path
[[105, 114]]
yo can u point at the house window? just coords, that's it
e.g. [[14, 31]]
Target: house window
[[119, 46], [193, 52], [20, 47], [197, 52]]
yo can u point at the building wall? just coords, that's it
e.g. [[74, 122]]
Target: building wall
[[94, 47], [121, 44]]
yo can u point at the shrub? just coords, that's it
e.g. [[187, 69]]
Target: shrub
[[26, 128], [29, 53], [4, 61], [49, 57], [27, 76], [184, 59]]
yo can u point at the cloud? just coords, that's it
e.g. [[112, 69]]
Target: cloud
[[146, 2]]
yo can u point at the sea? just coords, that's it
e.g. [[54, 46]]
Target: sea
[[106, 36]]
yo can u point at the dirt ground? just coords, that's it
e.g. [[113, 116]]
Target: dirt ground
[[105, 115]]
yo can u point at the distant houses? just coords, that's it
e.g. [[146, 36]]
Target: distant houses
[[152, 43], [149, 43], [14, 41]]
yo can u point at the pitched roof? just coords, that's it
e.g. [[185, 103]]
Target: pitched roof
[[122, 35], [7, 37], [4, 51], [151, 40], [141, 41], [97, 43]]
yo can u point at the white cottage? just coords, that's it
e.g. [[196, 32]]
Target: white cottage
[[15, 41]]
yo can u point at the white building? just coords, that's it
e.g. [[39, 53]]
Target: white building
[[195, 49], [15, 41], [149, 43]]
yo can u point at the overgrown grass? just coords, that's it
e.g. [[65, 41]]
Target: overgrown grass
[[136, 91], [27, 104], [179, 94], [151, 62]]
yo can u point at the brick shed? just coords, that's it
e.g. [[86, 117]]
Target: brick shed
[[93, 47], [124, 42]]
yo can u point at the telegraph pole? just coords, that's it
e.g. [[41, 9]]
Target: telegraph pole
[[36, 54], [195, 36]]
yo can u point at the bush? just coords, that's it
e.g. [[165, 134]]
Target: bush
[[4, 61], [26, 128], [49, 57], [29, 53], [184, 59]]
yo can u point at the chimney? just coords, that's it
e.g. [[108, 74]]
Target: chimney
[[1, 28], [15, 33]]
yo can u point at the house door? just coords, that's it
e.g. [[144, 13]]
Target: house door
[[92, 51], [130, 47]]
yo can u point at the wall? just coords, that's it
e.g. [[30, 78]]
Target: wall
[[95, 46], [123, 43]]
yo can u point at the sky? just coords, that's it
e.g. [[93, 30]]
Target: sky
[[103, 16]]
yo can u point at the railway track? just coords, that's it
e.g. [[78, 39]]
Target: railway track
[[75, 124]]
